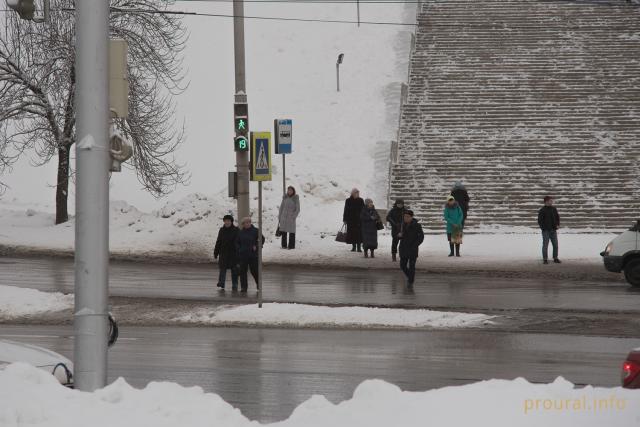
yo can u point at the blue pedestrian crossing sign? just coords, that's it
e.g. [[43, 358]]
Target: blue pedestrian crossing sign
[[261, 156]]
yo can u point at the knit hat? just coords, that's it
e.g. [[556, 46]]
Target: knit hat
[[354, 190], [228, 217], [450, 197], [367, 201], [408, 212], [547, 198]]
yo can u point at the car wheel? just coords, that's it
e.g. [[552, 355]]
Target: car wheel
[[632, 272]]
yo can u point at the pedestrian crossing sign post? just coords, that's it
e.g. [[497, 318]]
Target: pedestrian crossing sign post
[[261, 161]]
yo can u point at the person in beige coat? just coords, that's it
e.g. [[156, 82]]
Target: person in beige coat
[[289, 211]]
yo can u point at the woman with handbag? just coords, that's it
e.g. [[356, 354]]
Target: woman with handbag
[[370, 223], [289, 211], [454, 217]]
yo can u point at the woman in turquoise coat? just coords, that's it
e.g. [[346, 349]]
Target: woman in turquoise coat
[[453, 216]]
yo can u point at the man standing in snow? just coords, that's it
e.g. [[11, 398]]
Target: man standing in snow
[[226, 250], [411, 237], [395, 218], [459, 192], [247, 247], [549, 222]]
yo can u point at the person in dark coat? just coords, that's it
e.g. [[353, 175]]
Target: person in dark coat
[[225, 252], [459, 192], [247, 252], [549, 222], [411, 237], [369, 219], [395, 219], [352, 209]]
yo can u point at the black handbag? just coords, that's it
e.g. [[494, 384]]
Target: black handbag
[[379, 225], [278, 232], [341, 236]]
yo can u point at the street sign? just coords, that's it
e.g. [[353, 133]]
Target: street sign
[[241, 143], [283, 136], [260, 156]]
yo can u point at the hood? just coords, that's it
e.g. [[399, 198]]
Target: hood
[[458, 186], [398, 202]]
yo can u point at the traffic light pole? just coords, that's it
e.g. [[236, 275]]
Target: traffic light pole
[[90, 321], [242, 157]]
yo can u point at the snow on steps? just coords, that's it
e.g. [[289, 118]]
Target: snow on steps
[[520, 99]]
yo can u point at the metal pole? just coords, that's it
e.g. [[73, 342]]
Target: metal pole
[[90, 321], [242, 157], [259, 244], [284, 175], [338, 75], [358, 3]]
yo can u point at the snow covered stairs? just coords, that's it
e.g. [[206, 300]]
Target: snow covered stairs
[[520, 99]]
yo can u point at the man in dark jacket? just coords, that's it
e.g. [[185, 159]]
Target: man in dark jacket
[[352, 210], [459, 192], [411, 238], [247, 252], [549, 222], [225, 251], [395, 218]]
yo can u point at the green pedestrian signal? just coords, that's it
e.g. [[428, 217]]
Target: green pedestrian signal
[[241, 143], [242, 125]]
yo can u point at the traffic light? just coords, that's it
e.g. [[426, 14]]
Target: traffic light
[[241, 143], [25, 8], [241, 119]]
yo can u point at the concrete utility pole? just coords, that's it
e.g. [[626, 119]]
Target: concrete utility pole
[[91, 324], [242, 157]]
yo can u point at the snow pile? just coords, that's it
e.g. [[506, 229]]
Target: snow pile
[[18, 302], [29, 396], [302, 315]]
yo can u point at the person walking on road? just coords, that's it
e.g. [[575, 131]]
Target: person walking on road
[[411, 237], [247, 249], [549, 222], [289, 211], [454, 217], [225, 252], [395, 219], [370, 223], [459, 192], [352, 209]]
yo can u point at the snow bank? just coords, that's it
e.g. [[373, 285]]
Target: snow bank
[[31, 397], [18, 302], [302, 315]]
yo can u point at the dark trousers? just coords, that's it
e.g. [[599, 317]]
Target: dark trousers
[[546, 236], [394, 243], [292, 240], [223, 277], [245, 265], [408, 266]]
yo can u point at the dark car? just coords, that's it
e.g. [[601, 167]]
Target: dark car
[[631, 370]]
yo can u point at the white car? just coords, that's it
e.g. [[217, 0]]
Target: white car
[[623, 254], [47, 360]]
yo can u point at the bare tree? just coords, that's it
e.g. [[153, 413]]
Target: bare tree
[[37, 87]]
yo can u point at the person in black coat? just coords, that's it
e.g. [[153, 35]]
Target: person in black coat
[[395, 218], [411, 237], [225, 252], [247, 252], [549, 222], [352, 210], [459, 192], [369, 220]]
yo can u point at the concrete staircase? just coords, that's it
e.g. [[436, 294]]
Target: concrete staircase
[[520, 99]]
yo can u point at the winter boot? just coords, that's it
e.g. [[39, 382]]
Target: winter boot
[[457, 250], [393, 258], [451, 246], [372, 255], [353, 247], [359, 247], [366, 253], [557, 261]]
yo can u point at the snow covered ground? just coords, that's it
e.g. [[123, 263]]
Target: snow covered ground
[[302, 315], [19, 302], [31, 397]]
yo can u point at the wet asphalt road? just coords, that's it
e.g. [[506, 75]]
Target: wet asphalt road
[[268, 372], [308, 285]]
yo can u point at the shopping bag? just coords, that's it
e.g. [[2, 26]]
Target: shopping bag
[[341, 236]]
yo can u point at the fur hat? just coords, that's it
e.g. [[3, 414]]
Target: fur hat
[[367, 201]]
